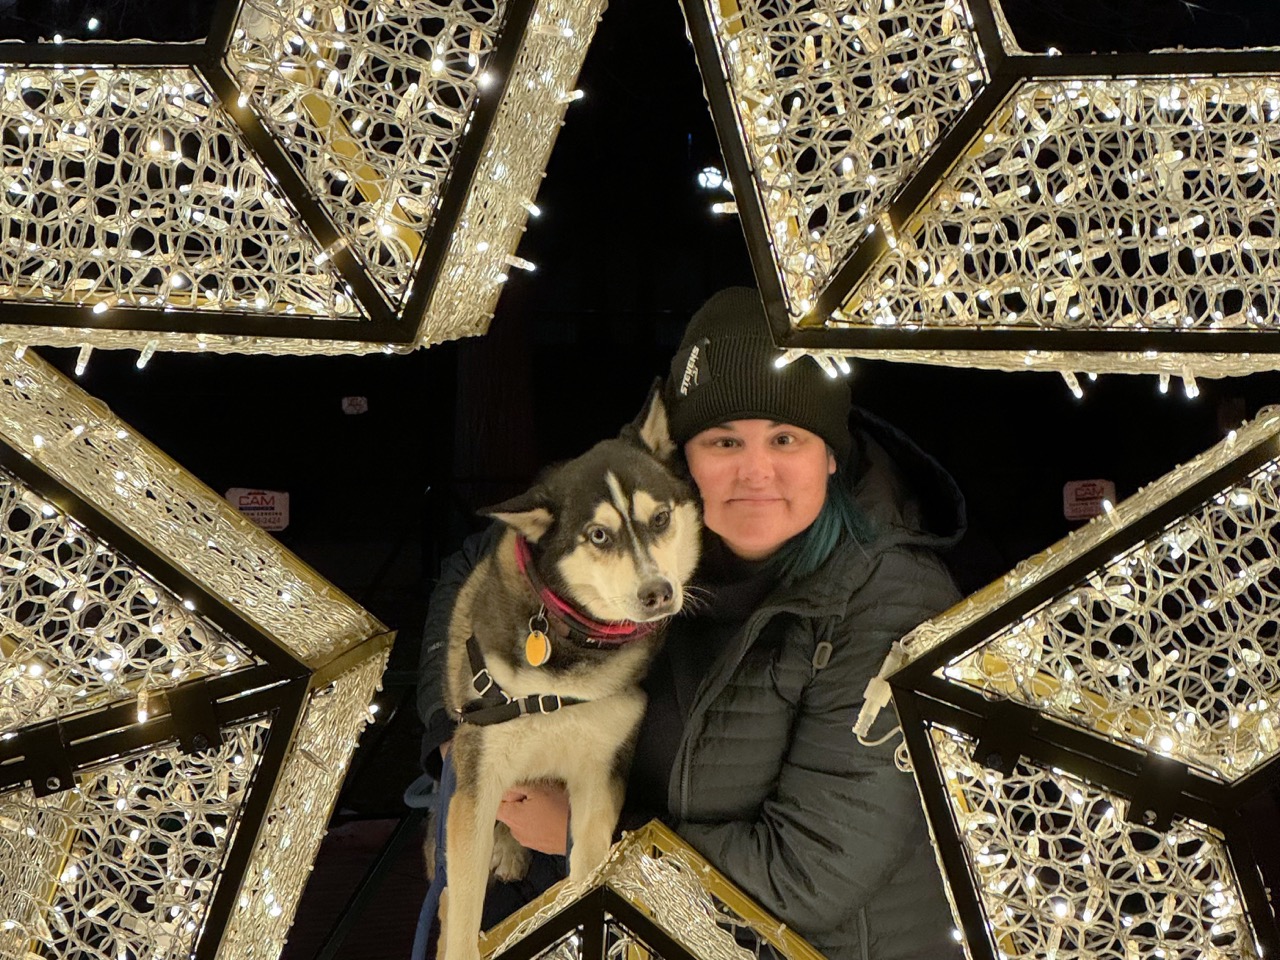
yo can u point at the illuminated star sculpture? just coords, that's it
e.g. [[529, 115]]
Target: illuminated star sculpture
[[179, 697], [654, 896], [316, 176], [915, 186], [1093, 734]]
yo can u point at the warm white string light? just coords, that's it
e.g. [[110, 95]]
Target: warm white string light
[[658, 873], [1073, 384], [1132, 652], [1189, 385], [1054, 859], [1061, 217], [710, 178], [832, 364], [342, 90], [153, 828]]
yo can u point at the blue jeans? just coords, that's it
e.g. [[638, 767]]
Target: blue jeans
[[501, 901]]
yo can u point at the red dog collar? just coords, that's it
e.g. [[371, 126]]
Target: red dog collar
[[610, 633]]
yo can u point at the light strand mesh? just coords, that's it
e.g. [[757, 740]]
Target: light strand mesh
[[181, 342], [1085, 204], [132, 187], [124, 866], [304, 793], [1100, 204], [1171, 645], [91, 451], [837, 106], [1061, 874], [497, 207], [370, 103], [81, 626], [621, 943], [1174, 646], [1167, 363], [568, 947], [136, 871], [670, 883]]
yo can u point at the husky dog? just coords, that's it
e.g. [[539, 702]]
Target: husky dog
[[550, 637]]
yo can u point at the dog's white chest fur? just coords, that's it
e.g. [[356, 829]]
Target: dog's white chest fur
[[555, 746]]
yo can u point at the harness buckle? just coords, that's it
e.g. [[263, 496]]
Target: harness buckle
[[488, 682], [556, 701]]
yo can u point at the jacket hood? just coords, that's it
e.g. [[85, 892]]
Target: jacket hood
[[906, 494]]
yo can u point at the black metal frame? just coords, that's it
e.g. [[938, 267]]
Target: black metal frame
[[49, 754], [382, 322], [1005, 731], [1004, 73]]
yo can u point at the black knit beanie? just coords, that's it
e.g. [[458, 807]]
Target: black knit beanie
[[724, 370]]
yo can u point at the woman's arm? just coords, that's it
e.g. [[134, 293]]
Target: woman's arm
[[842, 819]]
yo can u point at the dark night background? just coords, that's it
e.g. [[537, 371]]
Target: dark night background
[[626, 249]]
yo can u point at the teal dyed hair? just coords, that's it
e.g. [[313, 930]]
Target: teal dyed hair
[[839, 520]]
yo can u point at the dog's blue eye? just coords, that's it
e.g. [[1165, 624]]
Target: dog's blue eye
[[599, 536], [661, 520]]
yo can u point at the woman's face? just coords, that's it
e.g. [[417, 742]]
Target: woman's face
[[761, 482]]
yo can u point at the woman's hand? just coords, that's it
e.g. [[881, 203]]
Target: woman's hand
[[537, 815]]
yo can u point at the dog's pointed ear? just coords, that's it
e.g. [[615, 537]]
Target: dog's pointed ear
[[527, 514], [651, 429]]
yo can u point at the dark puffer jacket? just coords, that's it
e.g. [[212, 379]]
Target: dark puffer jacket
[[769, 782]]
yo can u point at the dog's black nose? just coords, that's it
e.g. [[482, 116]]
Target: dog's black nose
[[656, 593]]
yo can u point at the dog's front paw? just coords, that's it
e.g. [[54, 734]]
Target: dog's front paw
[[510, 860]]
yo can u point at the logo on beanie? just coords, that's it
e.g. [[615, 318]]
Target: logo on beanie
[[693, 369]]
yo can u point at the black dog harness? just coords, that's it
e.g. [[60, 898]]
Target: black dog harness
[[492, 704]]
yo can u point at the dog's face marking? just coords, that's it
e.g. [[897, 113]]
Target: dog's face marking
[[608, 518], [644, 507], [626, 553], [619, 498]]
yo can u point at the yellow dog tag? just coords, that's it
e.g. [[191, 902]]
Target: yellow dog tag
[[537, 648]]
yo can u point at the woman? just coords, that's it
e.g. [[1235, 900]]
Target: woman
[[818, 555]]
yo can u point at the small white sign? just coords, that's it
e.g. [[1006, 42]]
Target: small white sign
[[269, 509], [355, 405], [1082, 499]]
